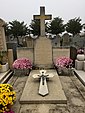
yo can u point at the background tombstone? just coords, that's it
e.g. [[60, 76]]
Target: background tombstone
[[29, 41], [2, 36], [78, 40], [66, 39], [12, 45], [56, 41], [73, 54]]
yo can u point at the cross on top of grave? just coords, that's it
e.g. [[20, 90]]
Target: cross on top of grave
[[43, 89], [42, 18]]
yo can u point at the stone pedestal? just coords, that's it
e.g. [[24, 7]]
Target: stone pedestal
[[79, 65], [10, 58]]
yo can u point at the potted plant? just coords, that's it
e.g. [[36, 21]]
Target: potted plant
[[3, 61], [80, 54], [22, 66], [63, 65], [7, 98]]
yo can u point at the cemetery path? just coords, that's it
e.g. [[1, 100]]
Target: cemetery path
[[74, 91]]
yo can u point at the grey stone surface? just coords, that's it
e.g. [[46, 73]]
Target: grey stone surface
[[81, 75], [43, 53], [78, 41], [2, 36], [79, 65], [56, 93], [84, 65], [72, 87]]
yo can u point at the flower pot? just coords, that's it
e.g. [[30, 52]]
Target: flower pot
[[80, 57], [63, 71], [20, 72], [4, 68]]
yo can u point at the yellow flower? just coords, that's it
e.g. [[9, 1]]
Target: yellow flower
[[7, 97]]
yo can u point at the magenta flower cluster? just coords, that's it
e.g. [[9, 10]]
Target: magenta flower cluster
[[80, 51], [63, 62], [22, 63], [9, 111]]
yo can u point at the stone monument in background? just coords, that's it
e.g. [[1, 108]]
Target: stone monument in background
[[43, 46], [2, 36]]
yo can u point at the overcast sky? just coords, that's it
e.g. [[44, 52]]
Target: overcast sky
[[23, 10]]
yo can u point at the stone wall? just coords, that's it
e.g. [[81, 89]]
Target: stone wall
[[61, 52], [25, 52], [29, 53]]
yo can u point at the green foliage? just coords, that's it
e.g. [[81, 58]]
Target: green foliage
[[74, 26], [35, 27], [18, 28], [56, 26]]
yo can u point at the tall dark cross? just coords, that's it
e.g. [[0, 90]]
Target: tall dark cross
[[42, 18]]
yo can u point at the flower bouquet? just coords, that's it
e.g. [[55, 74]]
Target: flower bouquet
[[80, 51], [22, 66], [63, 65], [7, 98]]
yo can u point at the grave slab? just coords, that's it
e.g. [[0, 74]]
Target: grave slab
[[81, 75], [30, 92]]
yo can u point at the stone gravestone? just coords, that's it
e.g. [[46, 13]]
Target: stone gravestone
[[66, 39], [32, 95], [2, 36], [78, 41], [35, 91], [12, 45], [43, 46], [29, 41]]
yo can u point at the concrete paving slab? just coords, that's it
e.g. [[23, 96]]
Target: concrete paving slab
[[81, 75], [30, 92]]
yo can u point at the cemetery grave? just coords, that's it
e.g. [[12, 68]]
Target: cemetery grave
[[44, 90]]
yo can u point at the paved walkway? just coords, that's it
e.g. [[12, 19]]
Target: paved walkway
[[74, 91]]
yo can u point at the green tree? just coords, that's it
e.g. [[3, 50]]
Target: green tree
[[35, 27], [74, 26], [17, 29], [56, 26]]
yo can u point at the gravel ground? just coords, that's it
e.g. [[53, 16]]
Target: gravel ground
[[74, 91]]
